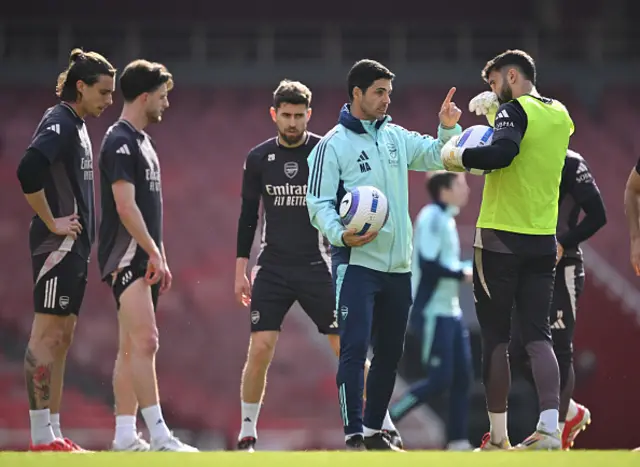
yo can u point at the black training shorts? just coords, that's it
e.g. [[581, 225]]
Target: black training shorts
[[60, 280], [276, 288]]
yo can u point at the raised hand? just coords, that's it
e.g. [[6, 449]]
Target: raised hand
[[449, 112]]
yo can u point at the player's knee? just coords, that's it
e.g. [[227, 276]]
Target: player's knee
[[492, 342], [67, 339], [145, 342], [261, 349], [124, 349], [48, 336], [493, 353]]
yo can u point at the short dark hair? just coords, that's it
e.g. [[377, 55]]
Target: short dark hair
[[142, 76], [291, 92], [438, 182], [364, 73], [83, 66], [518, 58]]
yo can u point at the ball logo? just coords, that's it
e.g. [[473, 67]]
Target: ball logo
[[364, 208]]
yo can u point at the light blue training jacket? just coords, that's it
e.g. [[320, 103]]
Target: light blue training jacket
[[377, 153]]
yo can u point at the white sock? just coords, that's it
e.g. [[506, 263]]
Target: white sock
[[548, 421], [158, 429], [250, 412], [387, 423], [41, 431], [55, 425], [561, 426], [498, 427], [369, 431], [125, 430], [573, 409]]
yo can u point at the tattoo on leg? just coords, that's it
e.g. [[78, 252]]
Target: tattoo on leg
[[38, 379]]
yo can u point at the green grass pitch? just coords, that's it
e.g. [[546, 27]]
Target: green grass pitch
[[323, 459]]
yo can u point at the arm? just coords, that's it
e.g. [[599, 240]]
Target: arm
[[586, 193], [124, 194], [594, 219], [423, 151], [631, 209], [163, 252], [32, 172], [631, 194], [510, 126], [248, 221], [247, 224], [120, 171], [45, 149], [324, 179]]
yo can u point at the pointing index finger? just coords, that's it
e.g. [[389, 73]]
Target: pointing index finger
[[450, 94]]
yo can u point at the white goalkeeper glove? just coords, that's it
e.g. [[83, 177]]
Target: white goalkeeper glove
[[486, 103], [451, 155]]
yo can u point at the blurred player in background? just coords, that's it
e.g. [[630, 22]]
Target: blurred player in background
[[436, 276], [56, 175], [371, 272], [293, 263], [131, 253], [515, 243]]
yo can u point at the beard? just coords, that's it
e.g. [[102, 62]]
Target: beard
[[370, 112], [505, 94], [291, 139]]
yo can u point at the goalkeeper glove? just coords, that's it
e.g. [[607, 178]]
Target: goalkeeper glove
[[486, 103], [451, 155]]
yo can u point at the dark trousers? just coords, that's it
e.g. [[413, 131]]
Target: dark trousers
[[373, 308]]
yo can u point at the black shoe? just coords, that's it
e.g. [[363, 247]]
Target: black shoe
[[394, 438], [248, 443], [355, 443], [380, 442]]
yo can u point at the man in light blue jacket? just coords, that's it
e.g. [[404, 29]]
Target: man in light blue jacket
[[371, 272]]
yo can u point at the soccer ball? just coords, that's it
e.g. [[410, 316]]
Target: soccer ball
[[473, 137], [365, 209]]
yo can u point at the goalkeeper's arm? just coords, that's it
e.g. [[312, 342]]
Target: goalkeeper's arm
[[509, 128], [498, 155]]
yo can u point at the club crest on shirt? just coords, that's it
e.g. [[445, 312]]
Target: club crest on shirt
[[393, 154], [291, 169]]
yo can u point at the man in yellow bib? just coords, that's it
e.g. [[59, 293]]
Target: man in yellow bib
[[515, 243]]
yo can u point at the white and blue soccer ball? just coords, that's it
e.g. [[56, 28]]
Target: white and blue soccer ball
[[365, 209], [473, 137]]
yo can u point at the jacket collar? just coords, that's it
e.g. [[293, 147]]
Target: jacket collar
[[360, 127]]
